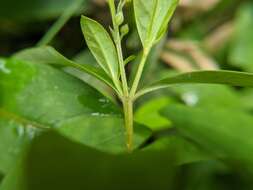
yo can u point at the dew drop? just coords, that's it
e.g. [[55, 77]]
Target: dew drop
[[100, 114], [30, 131], [95, 114], [20, 131], [56, 87], [190, 98]]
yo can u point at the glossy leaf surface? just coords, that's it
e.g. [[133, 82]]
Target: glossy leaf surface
[[48, 55]]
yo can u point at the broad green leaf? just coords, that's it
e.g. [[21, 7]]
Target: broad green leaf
[[35, 95], [227, 133], [101, 46], [48, 55], [31, 90], [53, 162], [148, 114], [152, 18], [101, 131], [242, 45], [30, 10], [233, 78]]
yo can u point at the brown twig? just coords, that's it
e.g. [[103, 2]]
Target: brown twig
[[202, 60], [176, 61], [219, 37]]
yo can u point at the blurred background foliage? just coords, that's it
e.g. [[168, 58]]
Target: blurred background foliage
[[203, 35]]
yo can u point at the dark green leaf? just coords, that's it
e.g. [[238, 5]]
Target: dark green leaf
[[53, 162], [207, 77]]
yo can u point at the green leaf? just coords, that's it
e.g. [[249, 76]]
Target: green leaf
[[152, 18], [242, 45], [30, 10], [53, 162], [40, 96], [233, 78], [31, 90], [101, 131], [48, 55], [148, 114], [226, 133], [185, 152], [101, 46]]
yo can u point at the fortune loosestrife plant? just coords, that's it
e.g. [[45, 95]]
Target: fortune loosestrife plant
[[152, 18]]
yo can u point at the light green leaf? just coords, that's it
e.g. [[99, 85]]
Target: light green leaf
[[148, 114], [152, 18], [233, 78], [226, 133], [101, 46], [48, 55]]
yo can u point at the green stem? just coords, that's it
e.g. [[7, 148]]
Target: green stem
[[117, 40], [121, 65], [128, 114], [139, 72], [60, 23]]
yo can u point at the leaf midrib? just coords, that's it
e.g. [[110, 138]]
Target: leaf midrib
[[102, 49]]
